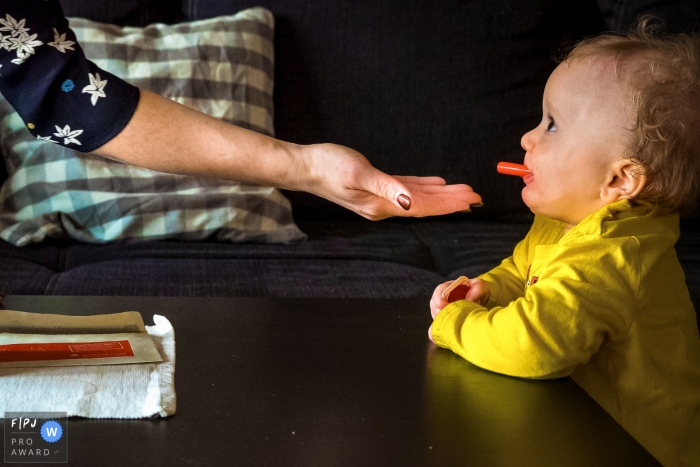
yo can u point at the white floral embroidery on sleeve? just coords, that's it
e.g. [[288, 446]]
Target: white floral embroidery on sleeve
[[16, 27], [5, 42], [60, 42], [18, 40], [25, 47], [67, 135], [46, 138], [96, 87]]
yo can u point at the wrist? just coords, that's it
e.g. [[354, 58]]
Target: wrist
[[294, 168], [306, 174]]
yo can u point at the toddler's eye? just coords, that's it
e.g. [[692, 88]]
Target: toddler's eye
[[551, 126]]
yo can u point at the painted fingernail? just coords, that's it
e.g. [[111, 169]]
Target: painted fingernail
[[476, 205], [404, 201]]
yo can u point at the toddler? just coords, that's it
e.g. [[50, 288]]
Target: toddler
[[595, 289]]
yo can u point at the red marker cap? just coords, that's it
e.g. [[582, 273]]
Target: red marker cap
[[458, 293], [457, 290], [509, 168]]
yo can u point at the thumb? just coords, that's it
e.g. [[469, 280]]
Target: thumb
[[385, 186]]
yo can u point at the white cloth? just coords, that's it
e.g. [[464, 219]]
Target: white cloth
[[104, 391]]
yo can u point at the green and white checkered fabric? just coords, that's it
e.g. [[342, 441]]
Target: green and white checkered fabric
[[221, 66]]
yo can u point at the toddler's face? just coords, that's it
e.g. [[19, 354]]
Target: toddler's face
[[583, 134]]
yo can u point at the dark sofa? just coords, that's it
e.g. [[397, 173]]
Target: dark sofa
[[427, 88]]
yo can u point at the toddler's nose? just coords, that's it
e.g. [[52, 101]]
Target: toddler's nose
[[528, 141]]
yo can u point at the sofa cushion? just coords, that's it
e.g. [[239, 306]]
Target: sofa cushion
[[23, 277], [388, 259], [367, 241], [222, 67], [393, 258], [247, 278], [469, 248]]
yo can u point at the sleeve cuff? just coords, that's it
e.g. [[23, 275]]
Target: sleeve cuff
[[448, 323], [131, 102]]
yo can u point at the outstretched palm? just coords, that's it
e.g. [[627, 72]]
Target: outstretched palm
[[346, 177]]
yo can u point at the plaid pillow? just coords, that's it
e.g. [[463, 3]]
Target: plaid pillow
[[221, 66]]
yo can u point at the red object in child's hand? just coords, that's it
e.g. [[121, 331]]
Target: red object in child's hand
[[459, 293], [457, 290], [509, 168]]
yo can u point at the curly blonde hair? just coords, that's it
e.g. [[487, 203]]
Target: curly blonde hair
[[662, 74]]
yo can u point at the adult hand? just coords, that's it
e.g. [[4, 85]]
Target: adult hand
[[346, 177]]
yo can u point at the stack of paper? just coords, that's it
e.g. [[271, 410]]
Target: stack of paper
[[102, 366]]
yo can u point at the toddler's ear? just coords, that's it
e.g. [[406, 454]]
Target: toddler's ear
[[626, 179]]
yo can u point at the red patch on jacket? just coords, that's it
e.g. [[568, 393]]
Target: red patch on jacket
[[530, 280]]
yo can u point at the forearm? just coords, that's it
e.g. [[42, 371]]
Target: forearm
[[507, 340], [190, 142], [558, 324], [165, 136]]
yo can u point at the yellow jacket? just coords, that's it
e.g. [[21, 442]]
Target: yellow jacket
[[605, 302]]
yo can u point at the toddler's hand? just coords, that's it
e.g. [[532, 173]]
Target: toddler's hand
[[478, 293], [437, 303]]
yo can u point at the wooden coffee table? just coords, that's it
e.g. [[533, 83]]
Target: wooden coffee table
[[307, 382]]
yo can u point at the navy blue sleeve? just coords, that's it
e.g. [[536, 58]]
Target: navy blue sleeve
[[61, 96]]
